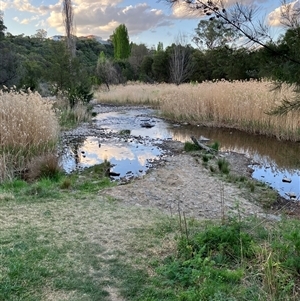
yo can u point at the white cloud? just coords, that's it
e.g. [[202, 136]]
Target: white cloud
[[98, 17], [275, 17], [95, 18]]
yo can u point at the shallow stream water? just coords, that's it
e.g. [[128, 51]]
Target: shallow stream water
[[274, 162]]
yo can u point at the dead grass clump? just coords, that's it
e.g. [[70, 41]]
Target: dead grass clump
[[71, 116], [28, 127], [239, 104], [44, 166]]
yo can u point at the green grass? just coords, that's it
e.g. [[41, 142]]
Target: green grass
[[63, 239], [232, 261], [31, 264], [189, 147]]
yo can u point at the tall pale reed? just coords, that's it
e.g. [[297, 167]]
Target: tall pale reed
[[28, 127], [239, 104]]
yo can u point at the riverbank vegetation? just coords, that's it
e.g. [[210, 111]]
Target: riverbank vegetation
[[242, 105]]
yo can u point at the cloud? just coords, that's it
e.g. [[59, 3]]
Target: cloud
[[4, 5], [92, 17], [275, 17]]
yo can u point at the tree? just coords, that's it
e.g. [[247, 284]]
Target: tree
[[138, 52], [146, 69], [180, 61], [242, 19], [10, 66], [2, 27], [41, 34], [160, 66], [121, 44], [212, 34], [106, 71], [160, 46]]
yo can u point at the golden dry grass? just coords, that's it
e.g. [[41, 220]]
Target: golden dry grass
[[28, 126], [240, 105]]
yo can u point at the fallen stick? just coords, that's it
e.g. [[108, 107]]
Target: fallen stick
[[203, 146]]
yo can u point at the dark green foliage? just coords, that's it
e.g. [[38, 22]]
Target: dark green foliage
[[205, 158], [2, 26], [10, 64], [215, 146], [226, 242], [121, 43], [146, 73], [160, 66], [189, 146], [124, 132]]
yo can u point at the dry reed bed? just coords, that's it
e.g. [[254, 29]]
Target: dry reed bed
[[28, 127], [240, 105]]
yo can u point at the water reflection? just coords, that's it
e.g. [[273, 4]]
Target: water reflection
[[128, 158], [276, 159], [266, 150]]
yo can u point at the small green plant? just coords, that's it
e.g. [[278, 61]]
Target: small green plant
[[124, 132], [212, 168], [190, 147], [223, 166], [205, 158], [66, 183], [251, 185], [215, 146]]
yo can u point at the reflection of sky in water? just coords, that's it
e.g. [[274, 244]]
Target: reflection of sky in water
[[274, 177], [276, 159], [127, 157], [132, 120]]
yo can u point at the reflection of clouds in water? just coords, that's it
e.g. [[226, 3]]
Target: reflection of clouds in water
[[142, 158], [269, 150], [108, 152]]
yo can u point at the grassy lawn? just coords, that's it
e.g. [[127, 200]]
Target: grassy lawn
[[72, 244], [78, 244]]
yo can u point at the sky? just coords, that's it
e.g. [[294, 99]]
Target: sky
[[148, 22]]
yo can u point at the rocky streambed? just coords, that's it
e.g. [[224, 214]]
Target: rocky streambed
[[155, 171]]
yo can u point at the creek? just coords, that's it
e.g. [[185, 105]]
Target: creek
[[275, 162]]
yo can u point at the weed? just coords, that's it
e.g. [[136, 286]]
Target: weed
[[212, 168], [251, 185], [215, 146], [223, 165], [190, 147], [205, 158], [66, 183], [124, 132], [44, 166]]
